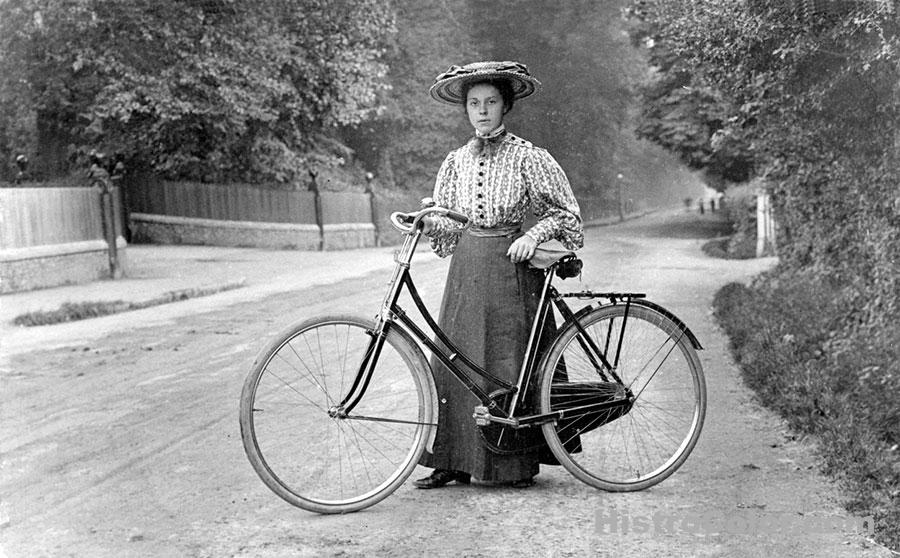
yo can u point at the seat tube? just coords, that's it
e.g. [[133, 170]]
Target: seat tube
[[533, 340]]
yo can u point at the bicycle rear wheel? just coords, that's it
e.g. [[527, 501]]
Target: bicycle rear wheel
[[634, 446], [306, 452]]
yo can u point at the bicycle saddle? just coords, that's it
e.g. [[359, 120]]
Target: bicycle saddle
[[569, 265]]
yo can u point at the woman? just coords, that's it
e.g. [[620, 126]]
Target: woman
[[491, 294]]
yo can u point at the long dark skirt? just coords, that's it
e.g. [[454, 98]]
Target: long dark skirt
[[488, 307]]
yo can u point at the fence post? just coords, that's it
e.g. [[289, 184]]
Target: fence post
[[101, 180], [619, 178], [22, 163], [317, 199], [373, 215]]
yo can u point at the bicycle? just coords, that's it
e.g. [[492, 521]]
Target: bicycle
[[337, 410]]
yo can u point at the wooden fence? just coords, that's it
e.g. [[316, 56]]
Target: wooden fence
[[247, 203], [221, 202], [41, 216], [244, 215]]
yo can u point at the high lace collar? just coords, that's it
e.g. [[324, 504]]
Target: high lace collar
[[486, 145]]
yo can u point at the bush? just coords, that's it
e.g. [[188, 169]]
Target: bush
[[801, 347], [741, 213]]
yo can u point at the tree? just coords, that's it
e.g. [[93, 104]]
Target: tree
[[583, 114], [409, 138], [806, 95], [195, 89]]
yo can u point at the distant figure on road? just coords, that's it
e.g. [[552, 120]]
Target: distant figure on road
[[491, 294]]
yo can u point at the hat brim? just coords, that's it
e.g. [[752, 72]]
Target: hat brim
[[450, 90]]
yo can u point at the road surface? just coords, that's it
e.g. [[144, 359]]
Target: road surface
[[128, 445]]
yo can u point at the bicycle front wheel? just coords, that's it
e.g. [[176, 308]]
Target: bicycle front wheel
[[634, 446], [306, 451]]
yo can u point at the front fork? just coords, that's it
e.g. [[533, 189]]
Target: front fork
[[379, 332]]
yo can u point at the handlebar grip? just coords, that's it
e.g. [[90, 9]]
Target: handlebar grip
[[458, 217], [402, 221]]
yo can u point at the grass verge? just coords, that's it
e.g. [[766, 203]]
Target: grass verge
[[74, 311], [802, 350], [721, 248]]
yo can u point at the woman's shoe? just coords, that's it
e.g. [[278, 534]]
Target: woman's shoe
[[523, 483], [441, 477]]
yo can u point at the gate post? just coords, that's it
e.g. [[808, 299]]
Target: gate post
[[765, 225]]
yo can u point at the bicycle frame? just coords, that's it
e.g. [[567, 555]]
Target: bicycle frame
[[392, 314], [586, 397]]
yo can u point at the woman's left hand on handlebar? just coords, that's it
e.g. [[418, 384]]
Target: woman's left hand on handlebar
[[522, 249], [429, 223]]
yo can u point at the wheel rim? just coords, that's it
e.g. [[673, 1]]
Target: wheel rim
[[310, 455], [661, 371]]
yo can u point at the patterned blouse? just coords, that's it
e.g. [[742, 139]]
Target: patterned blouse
[[495, 190]]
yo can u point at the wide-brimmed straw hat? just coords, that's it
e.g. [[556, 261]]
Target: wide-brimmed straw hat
[[448, 87]]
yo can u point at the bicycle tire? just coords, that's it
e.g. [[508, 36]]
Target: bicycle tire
[[319, 462], [655, 435]]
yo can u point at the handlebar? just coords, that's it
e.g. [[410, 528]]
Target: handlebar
[[409, 222]]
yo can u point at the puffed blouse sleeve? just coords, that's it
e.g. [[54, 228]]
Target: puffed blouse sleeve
[[553, 202], [445, 234]]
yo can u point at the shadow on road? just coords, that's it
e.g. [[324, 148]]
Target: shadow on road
[[683, 225]]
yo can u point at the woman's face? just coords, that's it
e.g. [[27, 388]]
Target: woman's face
[[484, 105]]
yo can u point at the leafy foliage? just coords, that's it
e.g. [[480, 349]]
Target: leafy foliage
[[803, 94], [738, 82], [212, 89], [582, 114], [272, 91], [806, 96], [406, 142]]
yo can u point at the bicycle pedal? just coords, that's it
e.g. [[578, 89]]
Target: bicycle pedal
[[481, 415]]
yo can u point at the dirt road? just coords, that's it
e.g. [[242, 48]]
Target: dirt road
[[128, 445]]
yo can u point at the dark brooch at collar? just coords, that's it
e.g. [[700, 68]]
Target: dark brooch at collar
[[486, 146]]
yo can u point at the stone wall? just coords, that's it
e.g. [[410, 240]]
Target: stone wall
[[51, 265]]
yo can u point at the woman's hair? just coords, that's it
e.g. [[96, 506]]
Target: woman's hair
[[503, 86]]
